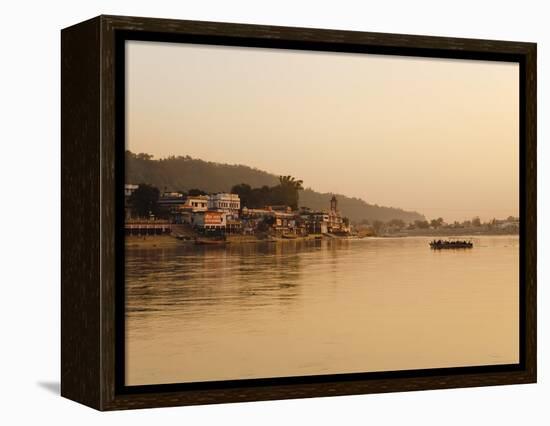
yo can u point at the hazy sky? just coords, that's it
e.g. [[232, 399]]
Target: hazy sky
[[437, 136]]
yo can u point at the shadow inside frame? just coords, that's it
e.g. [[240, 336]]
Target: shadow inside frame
[[318, 379], [120, 387]]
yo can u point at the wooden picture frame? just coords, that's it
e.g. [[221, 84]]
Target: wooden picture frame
[[92, 67]]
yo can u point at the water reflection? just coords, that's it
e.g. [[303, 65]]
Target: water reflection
[[294, 308]]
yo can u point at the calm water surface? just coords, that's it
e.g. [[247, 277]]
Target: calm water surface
[[299, 308]]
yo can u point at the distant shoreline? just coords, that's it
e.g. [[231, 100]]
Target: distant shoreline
[[448, 232], [170, 241]]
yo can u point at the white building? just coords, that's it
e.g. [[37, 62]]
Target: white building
[[223, 201], [196, 203], [171, 200], [210, 220]]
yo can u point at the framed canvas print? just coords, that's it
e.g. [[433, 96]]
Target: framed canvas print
[[254, 212]]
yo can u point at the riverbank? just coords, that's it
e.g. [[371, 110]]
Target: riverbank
[[171, 240], [151, 241]]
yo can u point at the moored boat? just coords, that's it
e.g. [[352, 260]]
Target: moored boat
[[209, 242], [289, 236]]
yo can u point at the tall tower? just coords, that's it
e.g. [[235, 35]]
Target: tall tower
[[333, 204]]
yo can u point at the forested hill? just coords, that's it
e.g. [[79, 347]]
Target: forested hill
[[355, 208], [184, 173]]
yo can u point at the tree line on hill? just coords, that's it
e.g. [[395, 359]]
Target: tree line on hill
[[256, 188], [285, 193]]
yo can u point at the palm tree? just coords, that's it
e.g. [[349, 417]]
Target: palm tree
[[289, 181], [290, 187]]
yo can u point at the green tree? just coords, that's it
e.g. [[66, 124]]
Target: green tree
[[184, 172], [144, 156], [144, 200], [290, 182], [194, 192], [244, 191], [377, 226], [437, 223], [397, 223], [421, 224], [287, 192]]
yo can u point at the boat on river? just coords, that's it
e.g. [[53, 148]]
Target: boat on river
[[289, 236], [450, 244], [210, 242]]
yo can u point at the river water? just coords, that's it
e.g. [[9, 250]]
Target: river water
[[294, 308]]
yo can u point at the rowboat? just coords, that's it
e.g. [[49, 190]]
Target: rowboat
[[209, 242], [289, 236]]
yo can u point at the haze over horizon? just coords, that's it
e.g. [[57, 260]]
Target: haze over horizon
[[439, 137]]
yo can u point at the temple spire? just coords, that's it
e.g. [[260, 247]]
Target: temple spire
[[334, 204]]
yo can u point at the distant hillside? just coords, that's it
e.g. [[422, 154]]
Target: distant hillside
[[355, 208], [184, 173]]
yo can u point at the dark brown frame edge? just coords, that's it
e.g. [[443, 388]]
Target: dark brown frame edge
[[88, 213]]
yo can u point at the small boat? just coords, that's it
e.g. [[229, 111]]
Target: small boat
[[289, 236], [209, 242], [450, 244], [182, 237]]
